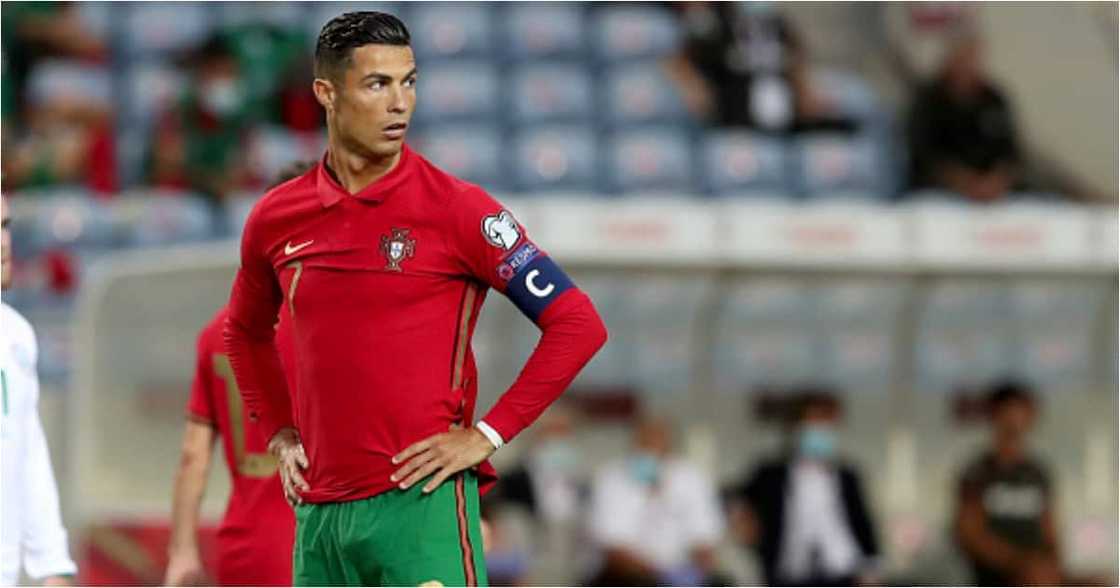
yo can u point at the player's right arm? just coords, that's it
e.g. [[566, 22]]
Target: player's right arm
[[250, 334], [184, 566]]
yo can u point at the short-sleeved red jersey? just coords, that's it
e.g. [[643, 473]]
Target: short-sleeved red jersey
[[384, 289], [258, 530]]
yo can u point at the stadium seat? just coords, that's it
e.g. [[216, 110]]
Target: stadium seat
[[237, 210], [151, 89], [68, 80], [641, 93], [656, 159], [471, 152], [629, 32], [154, 29], [459, 90], [831, 163], [442, 30], [280, 14], [849, 93], [153, 217], [274, 148], [59, 218], [743, 163], [550, 93], [555, 157], [545, 31]]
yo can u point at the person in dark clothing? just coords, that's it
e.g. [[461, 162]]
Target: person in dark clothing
[[805, 512], [1005, 517], [744, 65], [962, 130]]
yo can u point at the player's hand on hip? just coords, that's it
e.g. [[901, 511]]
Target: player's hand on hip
[[441, 456], [58, 581], [184, 570], [288, 449]]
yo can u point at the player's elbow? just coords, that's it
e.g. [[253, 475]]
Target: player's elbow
[[596, 332]]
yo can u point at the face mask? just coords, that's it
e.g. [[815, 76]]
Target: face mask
[[645, 467], [558, 455], [817, 442], [221, 97]]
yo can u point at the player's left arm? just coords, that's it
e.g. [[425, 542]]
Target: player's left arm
[[45, 548], [495, 249]]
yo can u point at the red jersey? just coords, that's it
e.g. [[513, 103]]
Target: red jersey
[[258, 530], [384, 289]]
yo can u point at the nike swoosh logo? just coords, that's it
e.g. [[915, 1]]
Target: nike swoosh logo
[[290, 249]]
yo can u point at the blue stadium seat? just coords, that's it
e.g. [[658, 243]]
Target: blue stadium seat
[[443, 30], [743, 163], [237, 210], [848, 92], [462, 90], [151, 218], [555, 157], [63, 79], [468, 151], [655, 159], [150, 90], [60, 218], [274, 148], [98, 18], [629, 32], [537, 30], [152, 29], [641, 93], [834, 163], [280, 14], [550, 93]]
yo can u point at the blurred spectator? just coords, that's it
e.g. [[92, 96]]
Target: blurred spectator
[[201, 144], [66, 134], [36, 30], [961, 130], [805, 512], [744, 65], [548, 488], [276, 74], [655, 516], [1005, 514]]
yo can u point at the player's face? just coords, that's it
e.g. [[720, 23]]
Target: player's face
[[373, 103], [5, 246]]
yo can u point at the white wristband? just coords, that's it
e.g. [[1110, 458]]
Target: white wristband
[[491, 434]]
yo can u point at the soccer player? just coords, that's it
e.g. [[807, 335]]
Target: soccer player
[[257, 532], [384, 260], [258, 529], [31, 528]]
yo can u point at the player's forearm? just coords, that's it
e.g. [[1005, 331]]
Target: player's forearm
[[571, 334], [981, 545], [190, 487], [250, 345]]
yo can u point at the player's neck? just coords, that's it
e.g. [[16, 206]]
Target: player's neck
[[354, 171]]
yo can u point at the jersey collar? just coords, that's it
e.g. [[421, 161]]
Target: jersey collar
[[331, 192]]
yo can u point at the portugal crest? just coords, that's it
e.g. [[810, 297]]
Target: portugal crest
[[397, 247]]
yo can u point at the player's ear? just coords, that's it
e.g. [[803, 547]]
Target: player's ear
[[324, 93]]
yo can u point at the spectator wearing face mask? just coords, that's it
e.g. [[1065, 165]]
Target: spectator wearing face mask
[[655, 517], [201, 144], [804, 512]]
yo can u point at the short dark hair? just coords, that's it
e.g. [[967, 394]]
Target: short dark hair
[[351, 30], [1007, 392], [808, 397]]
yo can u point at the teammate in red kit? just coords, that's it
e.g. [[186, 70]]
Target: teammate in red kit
[[384, 261], [248, 553]]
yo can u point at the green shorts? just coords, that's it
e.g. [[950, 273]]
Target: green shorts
[[397, 538]]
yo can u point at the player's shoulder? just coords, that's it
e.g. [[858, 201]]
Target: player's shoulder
[[286, 198], [445, 188], [15, 324], [211, 339]]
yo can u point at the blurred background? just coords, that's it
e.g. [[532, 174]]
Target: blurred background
[[814, 229]]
